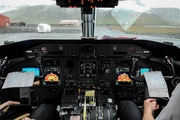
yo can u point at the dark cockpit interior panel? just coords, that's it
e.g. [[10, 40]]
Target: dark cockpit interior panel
[[87, 3], [65, 70]]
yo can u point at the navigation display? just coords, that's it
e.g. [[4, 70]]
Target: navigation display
[[141, 71], [36, 70]]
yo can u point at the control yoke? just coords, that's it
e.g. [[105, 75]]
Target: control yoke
[[166, 60], [169, 62], [3, 63]]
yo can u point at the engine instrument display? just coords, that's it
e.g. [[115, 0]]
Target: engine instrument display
[[122, 76], [88, 69], [52, 75]]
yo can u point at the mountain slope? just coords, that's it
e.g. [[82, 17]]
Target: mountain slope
[[47, 14], [54, 14]]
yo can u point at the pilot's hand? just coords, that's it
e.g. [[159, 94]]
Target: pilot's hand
[[8, 103], [150, 105]]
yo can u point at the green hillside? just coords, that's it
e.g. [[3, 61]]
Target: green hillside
[[42, 13], [152, 20], [104, 17], [54, 14]]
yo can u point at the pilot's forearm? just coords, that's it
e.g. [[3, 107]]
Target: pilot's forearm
[[147, 115], [3, 105], [8, 103]]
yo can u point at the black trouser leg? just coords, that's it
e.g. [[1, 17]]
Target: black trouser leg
[[128, 110], [45, 112]]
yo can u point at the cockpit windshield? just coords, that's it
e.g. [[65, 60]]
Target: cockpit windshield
[[138, 19], [89, 57]]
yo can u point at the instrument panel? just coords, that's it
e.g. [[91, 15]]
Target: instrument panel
[[67, 68]]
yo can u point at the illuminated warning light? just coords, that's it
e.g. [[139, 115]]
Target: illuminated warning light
[[123, 78], [51, 78], [93, 6], [72, 6]]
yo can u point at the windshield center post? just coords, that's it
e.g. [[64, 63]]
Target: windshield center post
[[88, 22]]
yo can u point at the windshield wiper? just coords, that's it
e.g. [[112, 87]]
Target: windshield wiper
[[8, 42]]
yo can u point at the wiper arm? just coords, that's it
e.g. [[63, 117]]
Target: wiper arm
[[8, 42]]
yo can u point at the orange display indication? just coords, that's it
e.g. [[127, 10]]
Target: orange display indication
[[124, 78], [51, 78]]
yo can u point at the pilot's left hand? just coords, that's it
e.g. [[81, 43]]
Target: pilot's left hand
[[8, 103]]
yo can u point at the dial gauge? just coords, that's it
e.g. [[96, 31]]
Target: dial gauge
[[131, 50], [43, 50]]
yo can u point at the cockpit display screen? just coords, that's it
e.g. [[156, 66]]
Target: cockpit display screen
[[36, 70], [141, 71], [122, 76], [52, 76], [88, 69]]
